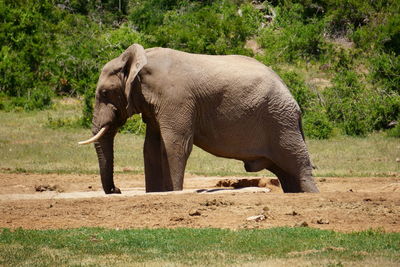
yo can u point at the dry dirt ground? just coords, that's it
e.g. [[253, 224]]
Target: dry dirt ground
[[53, 201]]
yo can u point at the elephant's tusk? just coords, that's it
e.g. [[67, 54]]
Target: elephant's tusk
[[96, 137]]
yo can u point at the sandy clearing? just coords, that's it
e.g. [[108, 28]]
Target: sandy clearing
[[344, 204]]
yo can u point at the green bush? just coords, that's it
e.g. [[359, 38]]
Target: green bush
[[148, 15], [347, 105], [210, 29], [87, 110], [358, 109], [58, 47], [108, 46], [394, 132], [341, 59], [49, 46], [382, 34], [56, 123], [134, 125], [316, 124], [385, 72], [292, 38], [346, 16], [300, 91], [26, 35], [315, 120]]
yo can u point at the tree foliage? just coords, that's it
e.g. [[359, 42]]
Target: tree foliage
[[57, 47]]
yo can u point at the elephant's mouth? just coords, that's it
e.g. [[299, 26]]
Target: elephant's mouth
[[96, 137]]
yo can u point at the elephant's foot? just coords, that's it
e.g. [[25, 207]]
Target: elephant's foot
[[308, 185], [114, 190], [294, 184], [302, 185]]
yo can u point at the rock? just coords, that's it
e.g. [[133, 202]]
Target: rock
[[321, 221], [301, 224], [194, 212], [257, 218], [262, 183], [241, 183], [177, 219], [398, 160], [392, 124], [274, 182], [293, 213], [217, 203], [46, 187], [322, 180]]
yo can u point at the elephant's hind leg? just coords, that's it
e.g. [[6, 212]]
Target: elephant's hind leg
[[293, 167]]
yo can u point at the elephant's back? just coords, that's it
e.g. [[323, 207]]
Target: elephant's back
[[238, 101]]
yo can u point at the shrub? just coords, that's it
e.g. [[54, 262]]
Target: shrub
[[134, 125], [149, 14], [346, 16], [315, 120], [25, 36], [49, 46], [346, 104], [300, 91], [291, 38], [341, 59], [107, 47], [382, 34], [87, 110], [56, 123], [316, 124], [394, 132], [385, 71], [359, 109], [217, 28]]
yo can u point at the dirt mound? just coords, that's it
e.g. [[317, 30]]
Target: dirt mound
[[47, 187], [252, 182]]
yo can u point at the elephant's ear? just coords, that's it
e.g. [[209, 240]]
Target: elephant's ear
[[136, 60]]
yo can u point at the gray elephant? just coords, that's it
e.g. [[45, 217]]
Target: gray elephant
[[230, 106]]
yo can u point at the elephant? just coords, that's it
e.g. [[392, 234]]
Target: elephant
[[231, 106]]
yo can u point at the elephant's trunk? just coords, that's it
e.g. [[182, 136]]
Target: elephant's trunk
[[105, 154]]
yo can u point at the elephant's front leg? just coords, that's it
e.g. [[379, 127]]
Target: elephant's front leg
[[175, 150], [152, 160]]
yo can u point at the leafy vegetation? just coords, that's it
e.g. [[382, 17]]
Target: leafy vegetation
[[339, 58]]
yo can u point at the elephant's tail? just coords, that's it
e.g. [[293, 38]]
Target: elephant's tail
[[304, 139], [301, 129]]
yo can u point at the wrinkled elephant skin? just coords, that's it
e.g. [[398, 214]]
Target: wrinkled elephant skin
[[230, 106]]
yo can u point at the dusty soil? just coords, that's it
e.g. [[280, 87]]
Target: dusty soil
[[52, 201]]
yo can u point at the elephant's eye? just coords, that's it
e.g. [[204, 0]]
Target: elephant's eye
[[103, 93]]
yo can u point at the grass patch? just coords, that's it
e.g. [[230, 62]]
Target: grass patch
[[183, 246], [29, 144]]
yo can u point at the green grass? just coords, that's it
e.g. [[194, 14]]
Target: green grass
[[95, 246], [28, 143]]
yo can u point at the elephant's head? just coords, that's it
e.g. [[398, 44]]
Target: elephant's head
[[114, 104]]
